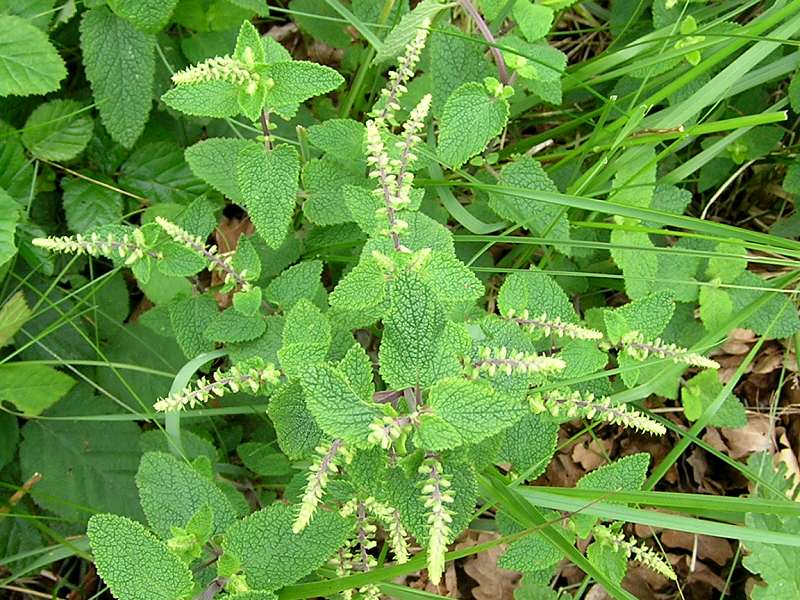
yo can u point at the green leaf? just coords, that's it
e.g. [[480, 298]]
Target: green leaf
[[172, 491], [405, 31], [648, 315], [233, 326], [147, 15], [190, 317], [529, 445], [120, 65], [473, 408], [13, 315], [134, 563], [32, 388], [80, 460], [537, 293], [454, 61], [342, 140], [640, 268], [297, 81], [263, 459], [471, 118], [534, 20], [29, 63], [272, 556], [337, 407], [357, 368], [248, 302], [605, 558], [794, 92], [214, 160], [215, 98], [9, 215], [634, 182], [411, 350], [301, 281], [89, 205], [624, 474], [297, 432], [727, 268], [699, 393], [9, 437], [325, 181], [541, 218], [159, 172], [16, 170], [306, 338], [57, 130], [716, 307], [268, 183], [778, 307]]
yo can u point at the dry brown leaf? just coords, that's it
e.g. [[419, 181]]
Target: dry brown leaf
[[591, 455], [753, 437], [493, 583], [717, 549]]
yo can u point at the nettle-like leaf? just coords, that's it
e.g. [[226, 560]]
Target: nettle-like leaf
[[537, 293], [624, 474], [171, 492], [298, 434], [29, 63], [147, 15], [214, 160], [134, 563], [473, 409], [268, 184], [701, 390], [272, 556], [120, 65], [337, 406], [540, 218], [296, 81], [301, 281], [414, 348], [403, 33], [306, 339], [471, 118]]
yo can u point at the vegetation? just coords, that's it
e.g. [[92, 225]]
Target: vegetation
[[302, 298]]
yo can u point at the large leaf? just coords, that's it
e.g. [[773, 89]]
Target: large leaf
[[120, 65], [82, 461], [134, 563], [160, 172], [147, 15], [272, 556], [172, 491], [57, 130], [268, 183], [29, 64], [470, 119]]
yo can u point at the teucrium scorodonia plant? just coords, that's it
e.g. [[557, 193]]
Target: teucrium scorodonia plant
[[388, 437]]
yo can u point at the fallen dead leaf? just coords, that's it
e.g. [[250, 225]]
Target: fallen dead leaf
[[592, 454], [717, 549], [493, 583], [753, 437]]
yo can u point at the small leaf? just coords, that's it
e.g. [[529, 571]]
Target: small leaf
[[214, 160], [134, 563], [13, 315], [399, 37], [297, 432], [701, 391], [248, 303], [297, 81], [471, 118]]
